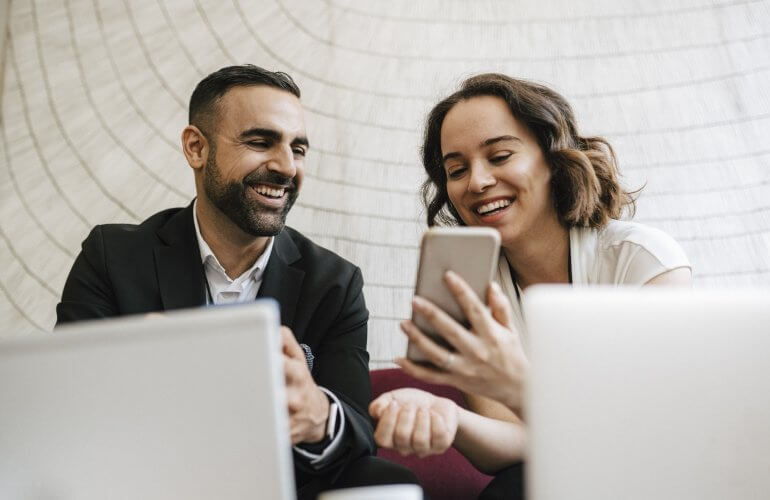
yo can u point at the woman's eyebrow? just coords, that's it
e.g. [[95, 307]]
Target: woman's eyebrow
[[501, 138], [485, 143]]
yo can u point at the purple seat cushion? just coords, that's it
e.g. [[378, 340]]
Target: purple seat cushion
[[447, 476]]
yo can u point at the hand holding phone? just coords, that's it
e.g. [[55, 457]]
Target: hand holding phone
[[472, 253]]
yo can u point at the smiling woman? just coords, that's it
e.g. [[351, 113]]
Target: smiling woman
[[506, 153]]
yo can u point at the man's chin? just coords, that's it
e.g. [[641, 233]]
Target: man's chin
[[263, 228]]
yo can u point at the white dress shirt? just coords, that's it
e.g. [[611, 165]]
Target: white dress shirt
[[221, 289]]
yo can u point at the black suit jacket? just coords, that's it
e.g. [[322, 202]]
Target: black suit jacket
[[156, 266]]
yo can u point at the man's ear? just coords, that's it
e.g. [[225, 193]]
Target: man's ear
[[195, 146]]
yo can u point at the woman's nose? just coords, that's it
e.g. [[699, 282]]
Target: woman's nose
[[481, 178]]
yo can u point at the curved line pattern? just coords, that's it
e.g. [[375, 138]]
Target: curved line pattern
[[23, 200], [60, 125], [427, 57], [103, 122], [33, 137], [17, 307], [147, 56], [40, 281], [544, 20], [365, 91]]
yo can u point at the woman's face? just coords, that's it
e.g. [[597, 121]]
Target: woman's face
[[496, 173]]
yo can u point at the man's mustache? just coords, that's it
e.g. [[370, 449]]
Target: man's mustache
[[269, 177]]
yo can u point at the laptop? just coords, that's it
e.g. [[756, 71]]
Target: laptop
[[187, 405], [648, 394]]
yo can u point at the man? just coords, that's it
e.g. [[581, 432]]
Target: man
[[246, 144]]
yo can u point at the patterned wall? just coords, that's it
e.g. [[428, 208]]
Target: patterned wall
[[95, 94]]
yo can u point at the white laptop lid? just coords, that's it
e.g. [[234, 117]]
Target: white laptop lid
[[648, 394], [190, 405]]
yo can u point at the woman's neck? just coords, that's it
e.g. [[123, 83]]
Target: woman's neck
[[540, 258]]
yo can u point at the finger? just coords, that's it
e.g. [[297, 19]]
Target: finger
[[430, 349], [292, 370], [402, 434], [474, 309], [379, 405], [439, 433], [423, 373], [449, 329], [295, 430], [421, 435], [293, 401], [290, 346], [499, 305], [383, 435]]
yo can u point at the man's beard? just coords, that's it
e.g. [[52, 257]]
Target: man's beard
[[233, 200]]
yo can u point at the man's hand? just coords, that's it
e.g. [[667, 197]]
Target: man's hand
[[308, 405]]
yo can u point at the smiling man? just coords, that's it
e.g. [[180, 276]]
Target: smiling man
[[246, 143]]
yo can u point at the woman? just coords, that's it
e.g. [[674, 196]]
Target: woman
[[506, 153]]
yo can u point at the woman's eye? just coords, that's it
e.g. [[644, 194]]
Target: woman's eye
[[456, 172], [500, 158]]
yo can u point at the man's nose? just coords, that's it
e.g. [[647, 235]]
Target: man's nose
[[282, 161]]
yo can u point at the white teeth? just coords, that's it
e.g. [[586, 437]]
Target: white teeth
[[483, 209], [268, 191]]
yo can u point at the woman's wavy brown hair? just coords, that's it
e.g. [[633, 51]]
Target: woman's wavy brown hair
[[584, 171]]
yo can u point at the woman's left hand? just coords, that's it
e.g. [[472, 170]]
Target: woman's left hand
[[489, 360]]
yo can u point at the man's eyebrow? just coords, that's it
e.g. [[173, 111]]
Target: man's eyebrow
[[267, 133], [301, 141], [493, 140], [272, 134]]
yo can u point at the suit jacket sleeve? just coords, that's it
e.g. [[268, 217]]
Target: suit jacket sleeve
[[342, 366], [87, 292]]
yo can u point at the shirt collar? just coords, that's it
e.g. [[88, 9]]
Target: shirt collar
[[210, 260]]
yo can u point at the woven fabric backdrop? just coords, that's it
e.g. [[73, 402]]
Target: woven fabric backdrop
[[95, 96]]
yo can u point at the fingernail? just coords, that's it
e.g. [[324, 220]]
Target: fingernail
[[451, 275], [418, 302]]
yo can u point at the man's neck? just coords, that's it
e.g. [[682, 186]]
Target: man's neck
[[235, 249], [542, 257]]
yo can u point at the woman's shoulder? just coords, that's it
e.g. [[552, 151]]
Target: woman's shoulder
[[630, 252]]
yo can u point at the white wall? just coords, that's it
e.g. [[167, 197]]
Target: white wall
[[95, 96]]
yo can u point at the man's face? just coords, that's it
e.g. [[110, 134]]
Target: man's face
[[256, 157]]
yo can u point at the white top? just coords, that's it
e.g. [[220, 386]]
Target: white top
[[621, 253]]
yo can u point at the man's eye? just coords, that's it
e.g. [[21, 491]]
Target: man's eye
[[258, 144], [299, 152]]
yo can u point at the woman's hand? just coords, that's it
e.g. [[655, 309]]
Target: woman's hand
[[412, 421], [489, 360]]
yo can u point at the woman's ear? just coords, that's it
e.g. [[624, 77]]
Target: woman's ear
[[195, 146]]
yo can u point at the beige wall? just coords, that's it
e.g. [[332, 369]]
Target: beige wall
[[95, 97], [4, 10]]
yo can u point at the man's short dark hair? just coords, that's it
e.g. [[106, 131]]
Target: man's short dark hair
[[207, 93]]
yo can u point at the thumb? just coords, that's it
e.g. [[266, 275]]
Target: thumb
[[379, 405], [290, 346]]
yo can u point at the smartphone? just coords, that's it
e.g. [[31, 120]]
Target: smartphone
[[471, 252]]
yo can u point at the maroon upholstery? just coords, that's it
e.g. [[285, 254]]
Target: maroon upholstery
[[448, 476]]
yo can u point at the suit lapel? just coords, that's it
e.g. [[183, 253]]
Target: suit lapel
[[178, 263], [281, 281]]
